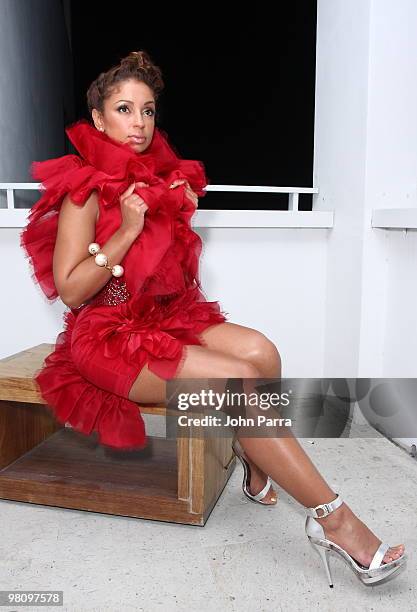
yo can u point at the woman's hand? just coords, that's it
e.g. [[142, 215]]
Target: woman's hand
[[188, 191], [133, 209]]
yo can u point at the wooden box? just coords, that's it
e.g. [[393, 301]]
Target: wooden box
[[43, 462]]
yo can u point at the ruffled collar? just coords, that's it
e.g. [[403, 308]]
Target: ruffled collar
[[114, 158]]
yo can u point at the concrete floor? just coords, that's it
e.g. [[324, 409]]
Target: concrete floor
[[246, 558]]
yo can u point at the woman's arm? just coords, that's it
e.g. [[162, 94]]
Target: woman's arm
[[76, 275]]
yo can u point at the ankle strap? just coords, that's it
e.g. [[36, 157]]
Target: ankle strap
[[325, 508]]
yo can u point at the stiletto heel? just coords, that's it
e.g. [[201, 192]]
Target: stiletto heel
[[239, 452], [324, 554], [376, 573]]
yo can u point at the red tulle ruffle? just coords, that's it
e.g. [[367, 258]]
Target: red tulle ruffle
[[87, 408], [114, 339], [109, 168], [86, 380]]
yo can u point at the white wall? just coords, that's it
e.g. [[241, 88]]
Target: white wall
[[271, 279], [389, 323], [339, 170], [400, 330], [366, 159]]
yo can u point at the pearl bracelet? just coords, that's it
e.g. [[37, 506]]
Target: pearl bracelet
[[101, 259]]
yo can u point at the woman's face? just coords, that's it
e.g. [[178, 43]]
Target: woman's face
[[129, 112]]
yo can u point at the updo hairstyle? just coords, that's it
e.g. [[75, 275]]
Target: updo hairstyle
[[137, 65]]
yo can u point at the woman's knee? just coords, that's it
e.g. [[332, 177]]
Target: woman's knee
[[201, 362], [245, 369], [261, 350]]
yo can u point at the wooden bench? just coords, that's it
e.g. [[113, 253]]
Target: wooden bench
[[44, 462]]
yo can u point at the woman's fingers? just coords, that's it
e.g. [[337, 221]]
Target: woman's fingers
[[128, 191], [192, 195], [188, 191], [177, 182]]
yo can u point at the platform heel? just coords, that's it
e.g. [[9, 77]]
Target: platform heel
[[376, 573]]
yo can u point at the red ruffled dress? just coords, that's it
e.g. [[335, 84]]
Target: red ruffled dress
[[148, 315]]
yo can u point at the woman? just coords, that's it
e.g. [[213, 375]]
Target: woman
[[111, 237]]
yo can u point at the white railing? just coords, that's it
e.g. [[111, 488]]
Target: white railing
[[293, 192], [17, 217]]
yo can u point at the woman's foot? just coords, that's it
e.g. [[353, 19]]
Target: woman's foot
[[258, 481], [344, 528]]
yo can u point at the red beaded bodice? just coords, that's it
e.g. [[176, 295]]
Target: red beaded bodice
[[113, 293]]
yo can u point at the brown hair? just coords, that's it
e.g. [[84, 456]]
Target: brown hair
[[137, 65]]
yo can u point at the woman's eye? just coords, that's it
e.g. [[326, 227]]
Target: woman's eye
[[148, 111]]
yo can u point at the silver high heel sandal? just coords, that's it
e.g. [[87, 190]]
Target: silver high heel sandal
[[240, 454], [375, 573]]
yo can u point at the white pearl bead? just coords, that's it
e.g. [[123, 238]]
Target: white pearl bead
[[117, 270], [101, 259], [93, 248]]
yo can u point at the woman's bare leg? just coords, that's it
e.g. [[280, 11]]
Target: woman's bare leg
[[242, 343], [283, 458], [245, 343], [253, 346], [297, 474], [199, 362], [288, 464]]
